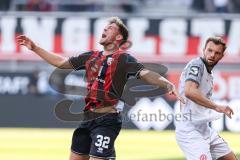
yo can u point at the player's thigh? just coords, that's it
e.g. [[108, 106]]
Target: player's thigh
[[93, 158], [194, 146], [219, 148], [229, 156], [81, 142], [102, 146], [75, 156], [104, 136]]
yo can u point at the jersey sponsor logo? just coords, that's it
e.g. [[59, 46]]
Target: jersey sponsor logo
[[100, 80], [203, 157], [109, 60], [194, 70]]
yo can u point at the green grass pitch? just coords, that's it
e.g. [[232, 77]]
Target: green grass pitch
[[53, 144]]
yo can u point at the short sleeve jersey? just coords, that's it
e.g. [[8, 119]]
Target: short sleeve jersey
[[106, 75], [197, 72]]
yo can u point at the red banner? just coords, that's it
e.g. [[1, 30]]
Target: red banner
[[169, 39]]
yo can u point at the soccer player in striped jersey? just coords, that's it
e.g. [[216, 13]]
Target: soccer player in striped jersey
[[107, 72]]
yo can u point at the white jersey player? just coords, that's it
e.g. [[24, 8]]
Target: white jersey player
[[194, 136]]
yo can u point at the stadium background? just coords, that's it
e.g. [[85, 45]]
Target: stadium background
[[162, 32]]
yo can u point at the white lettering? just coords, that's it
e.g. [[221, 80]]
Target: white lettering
[[8, 25], [141, 45], [41, 31], [13, 85], [75, 35], [207, 27], [174, 39]]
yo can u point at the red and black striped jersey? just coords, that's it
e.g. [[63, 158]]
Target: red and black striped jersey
[[106, 76]]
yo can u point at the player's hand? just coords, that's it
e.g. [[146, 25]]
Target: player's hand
[[174, 91], [225, 109], [25, 41]]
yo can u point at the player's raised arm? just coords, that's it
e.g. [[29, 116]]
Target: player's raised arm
[[192, 92], [156, 79], [52, 58]]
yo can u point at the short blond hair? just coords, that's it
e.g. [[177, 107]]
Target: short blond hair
[[122, 27], [216, 40]]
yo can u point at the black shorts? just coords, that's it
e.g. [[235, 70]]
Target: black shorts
[[96, 137]]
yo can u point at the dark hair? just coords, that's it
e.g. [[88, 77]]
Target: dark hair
[[122, 27], [217, 41]]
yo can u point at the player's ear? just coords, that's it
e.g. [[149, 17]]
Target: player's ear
[[119, 37]]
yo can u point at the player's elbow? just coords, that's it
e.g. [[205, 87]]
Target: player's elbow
[[60, 65], [192, 94], [188, 93], [63, 64]]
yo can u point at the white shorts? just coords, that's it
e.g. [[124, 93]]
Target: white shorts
[[195, 147]]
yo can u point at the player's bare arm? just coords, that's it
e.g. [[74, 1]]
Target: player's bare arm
[[192, 92], [156, 79], [52, 58]]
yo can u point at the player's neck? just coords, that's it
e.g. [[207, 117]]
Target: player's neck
[[107, 52]]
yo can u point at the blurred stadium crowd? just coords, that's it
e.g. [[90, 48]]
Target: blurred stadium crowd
[[125, 6]]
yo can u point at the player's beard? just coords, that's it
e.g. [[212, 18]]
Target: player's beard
[[209, 65]]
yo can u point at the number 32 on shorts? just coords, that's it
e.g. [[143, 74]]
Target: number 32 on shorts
[[102, 141]]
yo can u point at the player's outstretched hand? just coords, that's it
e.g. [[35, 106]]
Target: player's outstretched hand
[[175, 92], [25, 41], [226, 110]]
